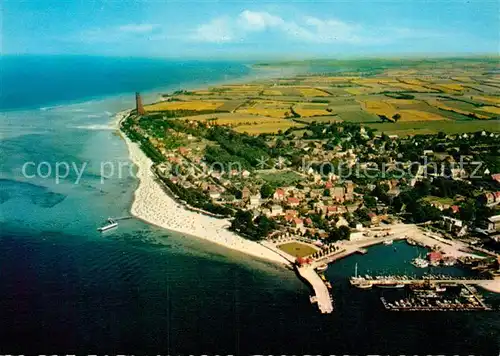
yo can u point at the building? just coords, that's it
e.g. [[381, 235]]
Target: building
[[245, 193], [434, 257], [293, 202], [255, 200], [138, 104], [276, 210], [279, 194], [493, 223], [374, 219], [454, 226]]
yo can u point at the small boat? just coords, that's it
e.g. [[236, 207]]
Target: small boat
[[111, 225], [420, 262], [388, 242], [440, 289], [391, 286], [364, 285], [322, 268], [411, 242]]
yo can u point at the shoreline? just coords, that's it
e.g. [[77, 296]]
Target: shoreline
[[152, 205]]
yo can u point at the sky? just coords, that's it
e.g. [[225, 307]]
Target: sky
[[250, 29]]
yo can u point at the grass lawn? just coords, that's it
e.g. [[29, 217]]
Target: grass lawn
[[297, 249], [282, 178]]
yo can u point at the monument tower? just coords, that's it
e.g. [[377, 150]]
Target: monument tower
[[138, 104]]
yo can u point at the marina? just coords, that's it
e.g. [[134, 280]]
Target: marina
[[461, 297]]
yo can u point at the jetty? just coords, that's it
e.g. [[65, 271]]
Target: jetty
[[322, 294]]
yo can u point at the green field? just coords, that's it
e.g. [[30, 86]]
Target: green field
[[433, 127], [281, 178], [297, 249], [358, 116]]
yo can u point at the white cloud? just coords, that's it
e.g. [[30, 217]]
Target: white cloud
[[307, 30], [218, 30], [259, 21]]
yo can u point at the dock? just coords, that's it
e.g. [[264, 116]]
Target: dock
[[322, 295], [381, 281]]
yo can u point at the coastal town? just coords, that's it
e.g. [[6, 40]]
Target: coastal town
[[310, 187]]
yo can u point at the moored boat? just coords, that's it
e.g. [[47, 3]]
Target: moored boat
[[391, 285], [111, 225], [322, 268]]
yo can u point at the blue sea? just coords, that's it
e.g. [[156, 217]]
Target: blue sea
[[140, 289]]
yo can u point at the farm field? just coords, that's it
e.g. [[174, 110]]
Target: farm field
[[312, 92], [267, 127], [318, 119], [433, 127], [427, 97], [311, 109], [266, 108], [197, 105]]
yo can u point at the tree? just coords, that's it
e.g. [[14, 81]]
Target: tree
[[370, 202], [396, 117], [266, 191], [344, 233]]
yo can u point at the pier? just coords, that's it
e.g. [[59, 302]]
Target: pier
[[322, 295], [393, 280]]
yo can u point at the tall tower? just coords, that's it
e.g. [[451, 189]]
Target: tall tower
[[138, 104]]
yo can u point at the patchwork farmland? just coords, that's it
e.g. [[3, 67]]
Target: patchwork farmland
[[404, 101]]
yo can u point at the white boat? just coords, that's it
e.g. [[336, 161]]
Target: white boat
[[360, 282], [440, 289], [391, 285], [111, 225], [420, 262], [322, 268], [388, 242]]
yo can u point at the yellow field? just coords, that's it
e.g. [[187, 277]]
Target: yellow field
[[311, 92], [360, 90], [203, 92], [463, 79], [447, 88], [266, 108], [267, 127], [272, 92], [491, 99], [492, 109], [411, 87], [198, 105], [311, 109], [412, 81], [403, 101], [378, 107], [452, 86], [416, 115], [319, 79]]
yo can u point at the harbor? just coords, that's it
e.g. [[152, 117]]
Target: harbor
[[438, 297]]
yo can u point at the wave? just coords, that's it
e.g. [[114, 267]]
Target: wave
[[93, 127]]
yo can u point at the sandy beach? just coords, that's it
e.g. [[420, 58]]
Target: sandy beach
[[154, 206]]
